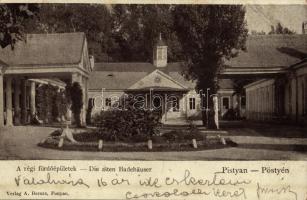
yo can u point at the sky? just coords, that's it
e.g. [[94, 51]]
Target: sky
[[261, 17]]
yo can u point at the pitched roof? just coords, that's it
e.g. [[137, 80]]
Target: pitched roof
[[262, 51], [45, 49], [124, 75], [271, 51]]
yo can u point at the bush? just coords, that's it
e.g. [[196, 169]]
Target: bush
[[76, 95], [231, 114], [123, 125], [51, 103]]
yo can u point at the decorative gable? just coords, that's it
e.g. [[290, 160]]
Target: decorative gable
[[157, 79]]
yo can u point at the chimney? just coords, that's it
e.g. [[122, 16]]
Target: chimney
[[160, 53], [304, 27]]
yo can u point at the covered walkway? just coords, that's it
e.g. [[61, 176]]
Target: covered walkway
[[54, 59]]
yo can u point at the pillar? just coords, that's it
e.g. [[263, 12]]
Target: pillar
[[23, 102], [83, 111], [165, 107], [17, 102], [32, 98], [9, 109], [1, 102], [78, 78], [85, 97]]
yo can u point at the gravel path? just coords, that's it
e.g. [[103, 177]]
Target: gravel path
[[21, 143]]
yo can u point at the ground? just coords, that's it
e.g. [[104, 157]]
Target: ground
[[255, 142]]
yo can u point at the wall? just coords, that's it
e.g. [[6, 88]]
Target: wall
[[260, 100], [184, 111], [100, 97], [296, 95], [262, 96]]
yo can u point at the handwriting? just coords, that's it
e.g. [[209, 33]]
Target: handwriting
[[175, 192], [282, 190], [150, 182], [188, 179], [220, 193], [49, 181]]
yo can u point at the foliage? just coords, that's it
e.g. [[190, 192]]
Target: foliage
[[253, 32], [180, 136], [44, 100], [209, 34], [76, 95], [50, 103], [134, 124], [92, 19], [13, 18], [137, 28], [279, 29], [232, 114]]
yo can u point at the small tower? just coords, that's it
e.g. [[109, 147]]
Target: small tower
[[160, 53]]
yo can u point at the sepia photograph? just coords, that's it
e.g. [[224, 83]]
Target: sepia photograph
[[154, 82]]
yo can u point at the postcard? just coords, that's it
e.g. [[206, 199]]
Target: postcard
[[153, 100]]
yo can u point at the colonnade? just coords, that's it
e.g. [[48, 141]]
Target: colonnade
[[17, 98], [14, 104]]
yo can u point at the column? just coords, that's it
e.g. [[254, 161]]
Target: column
[[1, 102], [83, 111], [165, 107], [17, 102], [86, 97], [23, 102], [32, 99], [9, 109]]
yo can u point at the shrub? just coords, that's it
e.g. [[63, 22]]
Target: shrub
[[76, 102], [123, 125]]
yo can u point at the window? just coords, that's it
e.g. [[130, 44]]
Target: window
[[157, 103], [160, 53], [226, 103], [175, 104], [192, 103], [108, 102]]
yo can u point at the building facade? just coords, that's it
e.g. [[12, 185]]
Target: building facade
[[159, 86], [51, 59], [276, 64]]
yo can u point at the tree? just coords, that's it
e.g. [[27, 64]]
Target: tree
[[136, 29], [13, 18], [253, 32], [209, 34], [77, 102], [279, 29], [92, 19]]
